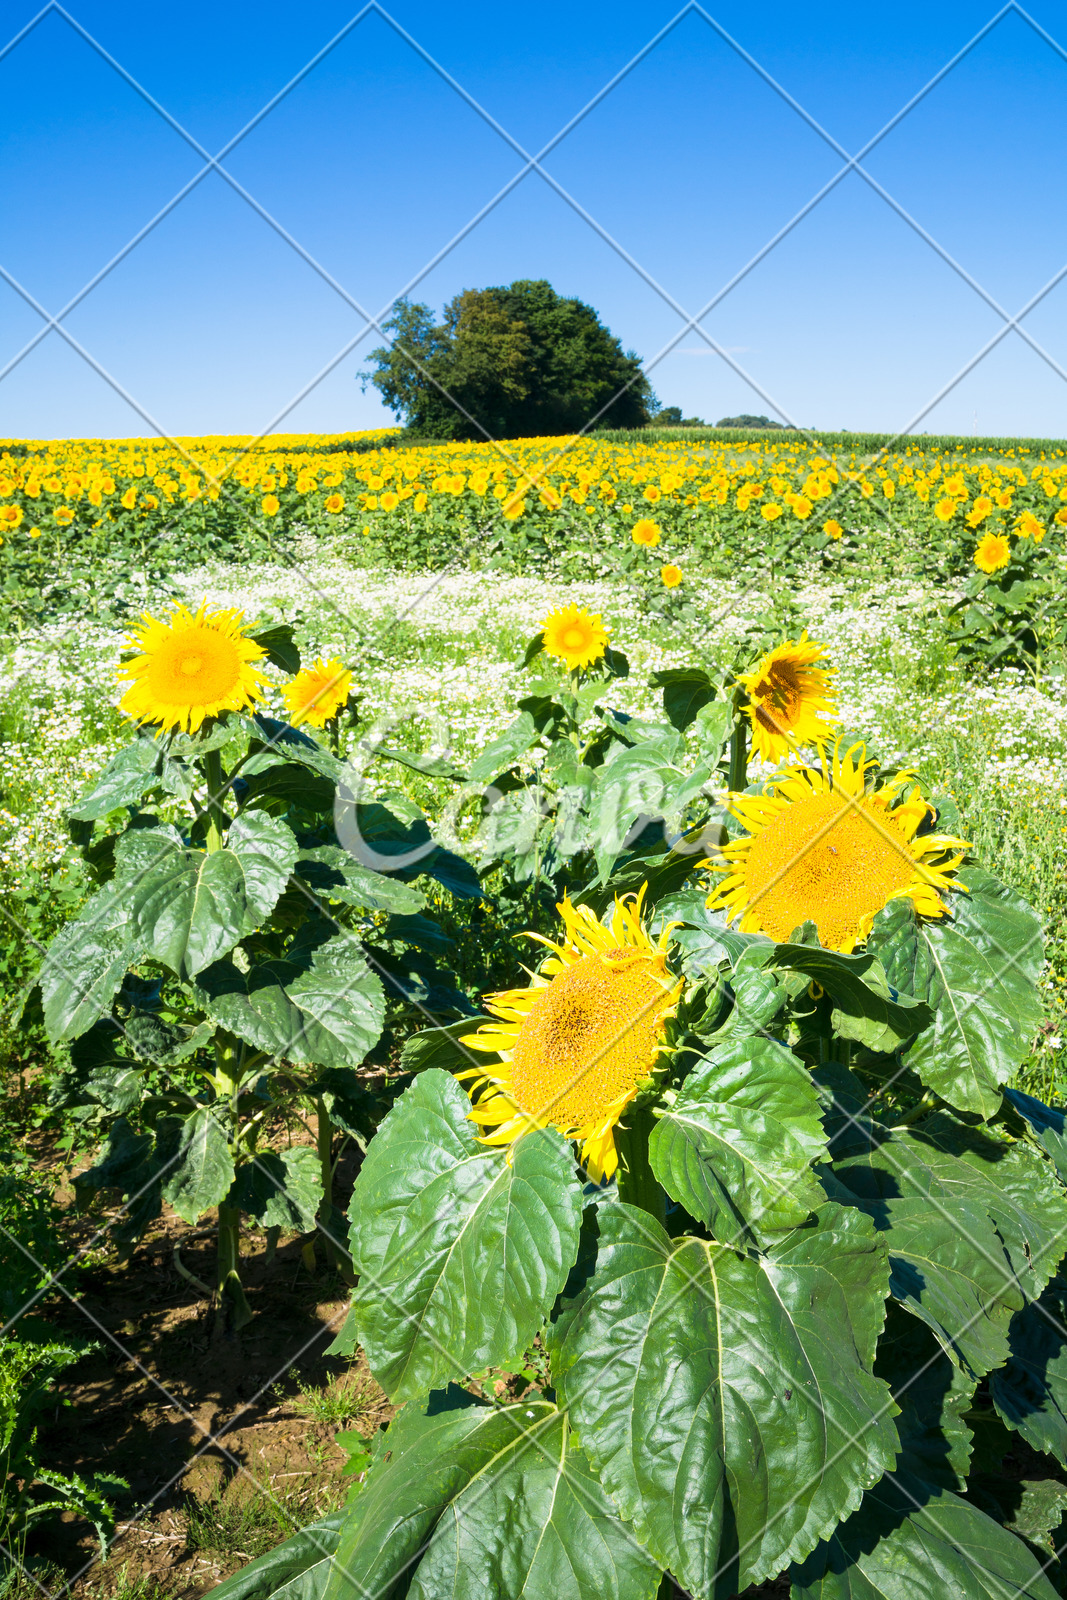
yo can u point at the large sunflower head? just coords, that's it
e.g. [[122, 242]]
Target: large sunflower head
[[574, 636], [828, 846], [317, 693], [790, 698], [579, 1042], [191, 667]]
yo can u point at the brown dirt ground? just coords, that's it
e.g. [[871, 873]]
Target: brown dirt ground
[[190, 1418]]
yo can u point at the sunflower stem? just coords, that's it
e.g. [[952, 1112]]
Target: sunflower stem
[[738, 746], [216, 817], [638, 1184]]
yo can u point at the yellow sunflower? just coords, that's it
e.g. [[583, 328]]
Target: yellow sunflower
[[790, 698], [579, 1042], [191, 667], [992, 553], [317, 693], [825, 847], [574, 636]]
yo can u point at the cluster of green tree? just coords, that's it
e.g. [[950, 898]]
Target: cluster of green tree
[[671, 417], [509, 362], [748, 421]]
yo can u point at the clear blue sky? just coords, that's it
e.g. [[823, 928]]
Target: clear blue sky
[[691, 165]]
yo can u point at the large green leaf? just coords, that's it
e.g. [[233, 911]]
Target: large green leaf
[[86, 962], [280, 1188], [866, 1009], [727, 1402], [911, 1542], [1049, 1125], [974, 1225], [332, 874], [505, 749], [328, 1010], [933, 1394], [948, 1267], [189, 907], [685, 691], [497, 1502], [461, 1248], [122, 782], [202, 1175], [298, 1569], [976, 969], [737, 1144], [1030, 1393]]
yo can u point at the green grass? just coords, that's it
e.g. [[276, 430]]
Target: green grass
[[350, 1400]]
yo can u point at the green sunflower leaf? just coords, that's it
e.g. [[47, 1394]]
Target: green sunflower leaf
[[475, 1501], [909, 1540], [86, 963], [737, 1145], [1030, 1393], [726, 1402], [203, 1171], [189, 907], [977, 970], [122, 782], [974, 1225], [461, 1248], [933, 1394], [328, 1009]]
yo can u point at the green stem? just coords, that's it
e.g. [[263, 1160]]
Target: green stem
[[216, 825], [325, 1151], [638, 1184], [739, 746]]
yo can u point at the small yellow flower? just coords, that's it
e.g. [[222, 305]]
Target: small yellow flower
[[993, 552], [645, 532], [390, 500], [1028, 527], [945, 509], [421, 501], [832, 528], [670, 575], [270, 505], [791, 698], [10, 516], [317, 693], [514, 508], [770, 511], [651, 493], [129, 499], [64, 516], [335, 503]]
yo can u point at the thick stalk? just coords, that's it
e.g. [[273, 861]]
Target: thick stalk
[[638, 1184], [325, 1148], [216, 825], [738, 746], [235, 1307]]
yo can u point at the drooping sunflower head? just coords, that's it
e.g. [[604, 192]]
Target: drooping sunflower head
[[317, 693], [190, 667], [790, 698], [829, 846], [574, 636], [577, 1045]]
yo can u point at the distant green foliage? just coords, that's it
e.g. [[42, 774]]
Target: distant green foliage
[[508, 362]]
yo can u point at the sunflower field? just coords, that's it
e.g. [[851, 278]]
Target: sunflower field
[[534, 1029]]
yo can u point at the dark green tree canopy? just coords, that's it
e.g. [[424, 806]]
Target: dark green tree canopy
[[509, 362]]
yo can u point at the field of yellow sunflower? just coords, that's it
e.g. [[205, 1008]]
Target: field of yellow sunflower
[[949, 507], [651, 932]]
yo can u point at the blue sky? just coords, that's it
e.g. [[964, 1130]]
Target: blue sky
[[689, 166]]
